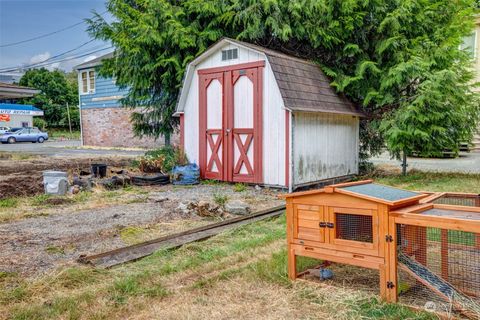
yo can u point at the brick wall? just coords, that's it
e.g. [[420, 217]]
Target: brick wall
[[111, 127]]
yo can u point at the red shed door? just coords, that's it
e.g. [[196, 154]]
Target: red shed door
[[231, 123]]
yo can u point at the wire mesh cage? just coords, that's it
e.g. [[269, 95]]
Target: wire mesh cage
[[459, 199], [439, 269], [354, 227]]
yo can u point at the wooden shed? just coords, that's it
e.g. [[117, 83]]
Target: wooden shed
[[254, 115]]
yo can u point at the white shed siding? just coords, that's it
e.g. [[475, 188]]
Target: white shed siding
[[273, 131], [324, 146], [273, 115]]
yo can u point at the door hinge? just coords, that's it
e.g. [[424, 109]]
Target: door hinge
[[389, 238], [390, 285]]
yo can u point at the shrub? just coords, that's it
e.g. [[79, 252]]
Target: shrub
[[162, 160], [40, 123]]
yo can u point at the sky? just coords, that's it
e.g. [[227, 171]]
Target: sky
[[25, 19]]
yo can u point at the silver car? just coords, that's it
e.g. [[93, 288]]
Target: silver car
[[24, 135], [4, 129]]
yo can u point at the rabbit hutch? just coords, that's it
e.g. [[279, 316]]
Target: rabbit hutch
[[421, 249]]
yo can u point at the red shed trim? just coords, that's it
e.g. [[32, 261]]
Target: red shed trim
[[182, 132], [228, 135], [233, 67]]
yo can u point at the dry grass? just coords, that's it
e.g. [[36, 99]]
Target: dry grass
[[12, 209], [240, 274]]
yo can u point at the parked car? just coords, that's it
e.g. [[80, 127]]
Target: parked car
[[24, 135], [4, 129]]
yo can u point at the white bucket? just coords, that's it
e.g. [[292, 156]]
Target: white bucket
[[55, 182]]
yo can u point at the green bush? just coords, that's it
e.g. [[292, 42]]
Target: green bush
[[40, 123], [162, 159]]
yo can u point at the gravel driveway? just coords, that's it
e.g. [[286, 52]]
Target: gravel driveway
[[67, 148], [36, 245], [466, 162]]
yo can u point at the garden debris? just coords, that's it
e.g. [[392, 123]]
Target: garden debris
[[144, 180], [200, 208], [237, 207], [186, 175]]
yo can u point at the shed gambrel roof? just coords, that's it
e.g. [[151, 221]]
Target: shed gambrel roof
[[302, 84]]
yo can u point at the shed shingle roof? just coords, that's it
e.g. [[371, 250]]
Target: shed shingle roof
[[303, 85]]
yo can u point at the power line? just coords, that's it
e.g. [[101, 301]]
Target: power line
[[55, 61], [45, 35]]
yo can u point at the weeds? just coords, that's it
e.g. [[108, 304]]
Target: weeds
[[220, 199], [39, 200], [54, 250], [239, 187]]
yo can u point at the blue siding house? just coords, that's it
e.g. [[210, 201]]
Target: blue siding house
[[104, 121]]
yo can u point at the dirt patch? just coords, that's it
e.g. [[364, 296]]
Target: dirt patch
[[36, 245], [24, 177]]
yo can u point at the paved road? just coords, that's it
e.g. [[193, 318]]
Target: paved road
[[64, 149], [466, 162]]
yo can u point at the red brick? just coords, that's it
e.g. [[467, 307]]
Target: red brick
[[111, 127]]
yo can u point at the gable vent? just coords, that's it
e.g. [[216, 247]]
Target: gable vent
[[229, 54]]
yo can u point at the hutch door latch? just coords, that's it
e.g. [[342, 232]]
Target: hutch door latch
[[330, 225], [322, 224], [389, 238], [390, 285]]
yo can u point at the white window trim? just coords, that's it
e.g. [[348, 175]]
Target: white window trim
[[475, 34], [80, 82]]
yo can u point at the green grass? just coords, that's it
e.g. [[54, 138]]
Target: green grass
[[427, 181], [454, 236], [77, 292], [8, 203], [39, 200], [56, 134]]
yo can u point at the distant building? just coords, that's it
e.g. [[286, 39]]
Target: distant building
[[10, 77], [104, 122], [16, 115]]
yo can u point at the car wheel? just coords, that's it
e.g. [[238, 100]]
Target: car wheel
[[41, 139], [11, 140]]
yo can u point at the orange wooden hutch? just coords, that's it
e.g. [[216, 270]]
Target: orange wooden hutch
[[379, 227]]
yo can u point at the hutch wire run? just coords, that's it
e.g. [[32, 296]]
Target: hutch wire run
[[424, 248]]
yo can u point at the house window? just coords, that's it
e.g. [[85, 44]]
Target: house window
[[229, 54], [470, 44], [87, 82]]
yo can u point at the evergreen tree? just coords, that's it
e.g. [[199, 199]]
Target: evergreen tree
[[397, 59]]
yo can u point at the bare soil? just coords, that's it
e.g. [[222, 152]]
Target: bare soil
[[24, 177], [33, 246]]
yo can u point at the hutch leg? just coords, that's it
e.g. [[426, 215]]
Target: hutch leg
[[292, 264], [383, 282]]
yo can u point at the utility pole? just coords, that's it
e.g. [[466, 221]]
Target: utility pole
[[69, 122], [404, 163]]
